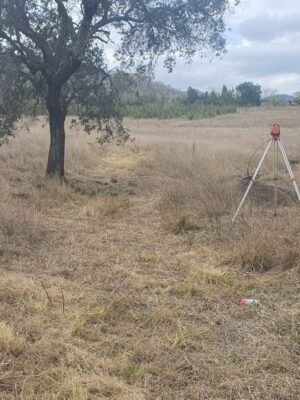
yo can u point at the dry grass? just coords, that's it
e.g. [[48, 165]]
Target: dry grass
[[124, 283], [9, 342], [264, 250]]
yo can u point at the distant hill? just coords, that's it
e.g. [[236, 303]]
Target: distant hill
[[151, 88], [286, 97], [132, 87], [280, 98]]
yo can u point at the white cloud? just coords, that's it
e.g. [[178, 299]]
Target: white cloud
[[263, 46], [266, 28]]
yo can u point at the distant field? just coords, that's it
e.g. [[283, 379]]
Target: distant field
[[161, 109], [124, 283]]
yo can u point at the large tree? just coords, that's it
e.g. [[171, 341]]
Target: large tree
[[249, 94], [62, 43]]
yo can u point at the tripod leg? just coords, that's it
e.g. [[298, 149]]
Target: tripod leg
[[289, 168], [275, 176], [251, 183]]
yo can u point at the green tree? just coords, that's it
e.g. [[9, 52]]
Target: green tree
[[297, 97], [224, 92], [227, 96], [11, 89], [214, 98], [249, 94], [191, 95], [204, 98], [57, 40]]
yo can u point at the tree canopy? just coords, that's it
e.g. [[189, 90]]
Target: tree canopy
[[224, 98], [249, 94], [59, 49]]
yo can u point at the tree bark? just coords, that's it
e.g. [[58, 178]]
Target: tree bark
[[57, 115]]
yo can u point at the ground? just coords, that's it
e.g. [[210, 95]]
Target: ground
[[125, 282]]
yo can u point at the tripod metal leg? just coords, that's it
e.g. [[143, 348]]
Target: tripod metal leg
[[288, 166], [275, 176], [251, 183]]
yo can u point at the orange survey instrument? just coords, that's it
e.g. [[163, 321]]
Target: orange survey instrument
[[277, 145], [275, 132]]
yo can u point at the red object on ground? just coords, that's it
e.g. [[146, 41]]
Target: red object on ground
[[249, 302]]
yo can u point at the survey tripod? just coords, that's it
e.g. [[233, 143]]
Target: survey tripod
[[277, 145]]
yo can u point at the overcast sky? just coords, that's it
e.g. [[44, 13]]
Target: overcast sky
[[263, 46]]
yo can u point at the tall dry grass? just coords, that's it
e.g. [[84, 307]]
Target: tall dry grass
[[198, 189], [201, 179], [125, 282]]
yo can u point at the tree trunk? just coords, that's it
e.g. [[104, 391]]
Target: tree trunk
[[57, 115]]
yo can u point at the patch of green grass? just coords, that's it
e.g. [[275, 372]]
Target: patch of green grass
[[132, 372]]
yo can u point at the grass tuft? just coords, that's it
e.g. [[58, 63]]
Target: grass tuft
[[208, 275], [9, 342], [263, 252], [72, 388], [107, 206]]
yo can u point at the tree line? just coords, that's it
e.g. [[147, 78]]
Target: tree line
[[246, 94], [165, 102]]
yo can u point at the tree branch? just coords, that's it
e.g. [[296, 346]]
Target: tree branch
[[21, 22], [66, 19], [121, 18], [27, 57]]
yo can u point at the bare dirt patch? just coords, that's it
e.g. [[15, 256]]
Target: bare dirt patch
[[262, 194]]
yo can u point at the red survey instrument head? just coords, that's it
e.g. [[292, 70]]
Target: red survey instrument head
[[275, 132]]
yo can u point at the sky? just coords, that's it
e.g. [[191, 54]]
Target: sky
[[263, 46]]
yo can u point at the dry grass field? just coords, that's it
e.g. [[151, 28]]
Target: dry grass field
[[124, 283]]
